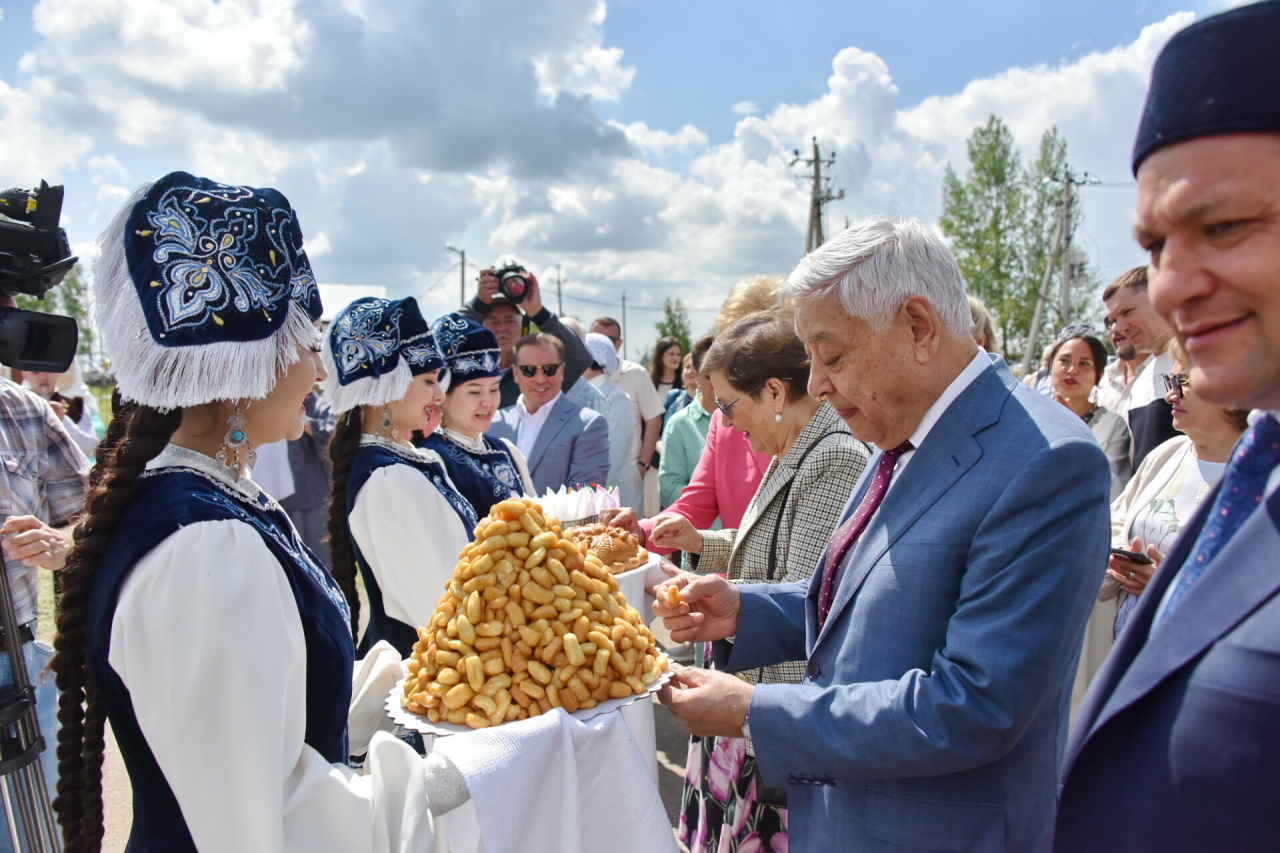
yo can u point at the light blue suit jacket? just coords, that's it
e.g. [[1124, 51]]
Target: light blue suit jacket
[[933, 713], [572, 446]]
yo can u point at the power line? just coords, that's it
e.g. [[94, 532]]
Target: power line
[[820, 195]]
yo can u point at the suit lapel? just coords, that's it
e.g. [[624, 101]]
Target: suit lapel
[[948, 453], [1239, 579], [550, 429]]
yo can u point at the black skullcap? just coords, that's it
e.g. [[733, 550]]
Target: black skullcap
[[1220, 75]]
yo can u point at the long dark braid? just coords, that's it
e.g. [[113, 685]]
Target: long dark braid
[[342, 450], [120, 414], [80, 712]]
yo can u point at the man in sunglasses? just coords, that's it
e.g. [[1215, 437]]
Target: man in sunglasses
[[565, 444], [509, 321]]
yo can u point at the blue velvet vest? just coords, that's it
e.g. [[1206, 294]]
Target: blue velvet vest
[[483, 478], [169, 499], [369, 458]]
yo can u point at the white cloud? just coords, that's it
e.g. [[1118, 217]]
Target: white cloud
[[394, 128]]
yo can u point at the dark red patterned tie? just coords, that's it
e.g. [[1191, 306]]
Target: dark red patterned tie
[[847, 534]]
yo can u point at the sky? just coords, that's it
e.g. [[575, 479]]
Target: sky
[[641, 146]]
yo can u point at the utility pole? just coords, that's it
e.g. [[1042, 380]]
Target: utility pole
[[559, 295], [624, 324], [462, 272], [818, 196], [1057, 260]]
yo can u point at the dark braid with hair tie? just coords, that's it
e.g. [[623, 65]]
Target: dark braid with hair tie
[[80, 713], [342, 450]]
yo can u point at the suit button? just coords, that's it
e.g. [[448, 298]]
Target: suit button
[[812, 670]]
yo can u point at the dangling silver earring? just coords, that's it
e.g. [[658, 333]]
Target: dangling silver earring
[[386, 426], [233, 443], [777, 419]]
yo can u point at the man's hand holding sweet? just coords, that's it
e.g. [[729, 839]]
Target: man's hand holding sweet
[[697, 608]]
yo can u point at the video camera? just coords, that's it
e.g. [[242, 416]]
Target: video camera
[[34, 257]]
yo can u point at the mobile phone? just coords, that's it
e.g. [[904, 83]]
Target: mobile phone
[[1133, 556]]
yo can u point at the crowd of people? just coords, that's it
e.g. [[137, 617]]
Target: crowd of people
[[904, 574]]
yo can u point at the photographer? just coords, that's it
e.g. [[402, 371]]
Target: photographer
[[508, 315]]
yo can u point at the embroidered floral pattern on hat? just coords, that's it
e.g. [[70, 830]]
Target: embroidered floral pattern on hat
[[470, 350], [215, 263]]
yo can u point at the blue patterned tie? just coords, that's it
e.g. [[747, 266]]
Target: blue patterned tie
[[1242, 490]]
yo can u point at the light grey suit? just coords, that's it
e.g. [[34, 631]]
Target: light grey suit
[[572, 447], [933, 713]]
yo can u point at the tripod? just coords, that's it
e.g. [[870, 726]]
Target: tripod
[[23, 794]]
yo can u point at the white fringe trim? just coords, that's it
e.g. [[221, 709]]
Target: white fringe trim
[[178, 377], [367, 391]]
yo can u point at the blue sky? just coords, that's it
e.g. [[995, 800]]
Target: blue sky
[[642, 145]]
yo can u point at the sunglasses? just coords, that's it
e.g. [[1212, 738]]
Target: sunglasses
[[725, 407], [531, 370], [1179, 382]]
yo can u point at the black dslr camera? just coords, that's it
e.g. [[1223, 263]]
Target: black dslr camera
[[34, 257], [512, 283]]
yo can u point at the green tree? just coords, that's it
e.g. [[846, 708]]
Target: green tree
[[675, 322], [981, 214], [1002, 219]]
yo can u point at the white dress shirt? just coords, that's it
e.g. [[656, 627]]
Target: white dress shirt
[[531, 424], [966, 377]]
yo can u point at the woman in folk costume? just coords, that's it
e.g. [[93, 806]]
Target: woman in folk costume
[[394, 510], [191, 614], [486, 470]]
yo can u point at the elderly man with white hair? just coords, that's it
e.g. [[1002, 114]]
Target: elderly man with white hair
[[942, 625]]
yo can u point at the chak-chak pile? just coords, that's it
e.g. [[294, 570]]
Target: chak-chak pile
[[529, 623]]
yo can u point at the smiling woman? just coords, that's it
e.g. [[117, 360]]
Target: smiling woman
[[394, 511]]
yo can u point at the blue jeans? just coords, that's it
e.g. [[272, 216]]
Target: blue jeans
[[37, 656]]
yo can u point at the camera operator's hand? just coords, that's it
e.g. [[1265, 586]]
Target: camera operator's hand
[[488, 285], [533, 296], [35, 543]]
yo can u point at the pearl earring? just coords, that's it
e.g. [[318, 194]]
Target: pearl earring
[[777, 419]]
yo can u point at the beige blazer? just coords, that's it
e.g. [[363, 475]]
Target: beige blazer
[[821, 467]]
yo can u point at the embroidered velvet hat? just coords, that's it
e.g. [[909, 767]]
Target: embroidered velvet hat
[[470, 350], [373, 350], [1218, 76], [203, 292]]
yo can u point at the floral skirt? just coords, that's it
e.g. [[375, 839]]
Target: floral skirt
[[718, 810]]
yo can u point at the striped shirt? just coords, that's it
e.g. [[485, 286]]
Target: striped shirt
[[43, 473]]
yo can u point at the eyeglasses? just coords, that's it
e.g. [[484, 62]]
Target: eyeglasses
[[531, 370], [1178, 382], [725, 407]]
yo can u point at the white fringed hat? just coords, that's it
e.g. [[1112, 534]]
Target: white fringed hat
[[202, 292], [373, 350]]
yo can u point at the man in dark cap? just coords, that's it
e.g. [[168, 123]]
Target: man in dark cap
[[1177, 745]]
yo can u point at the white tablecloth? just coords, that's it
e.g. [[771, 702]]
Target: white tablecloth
[[576, 787]]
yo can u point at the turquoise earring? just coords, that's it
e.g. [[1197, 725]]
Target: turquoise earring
[[233, 443]]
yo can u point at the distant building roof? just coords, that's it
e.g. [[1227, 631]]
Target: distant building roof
[[338, 296]]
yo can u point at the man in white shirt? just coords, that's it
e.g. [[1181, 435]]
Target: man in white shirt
[[1131, 317], [1119, 375], [942, 626], [633, 379], [565, 444]]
